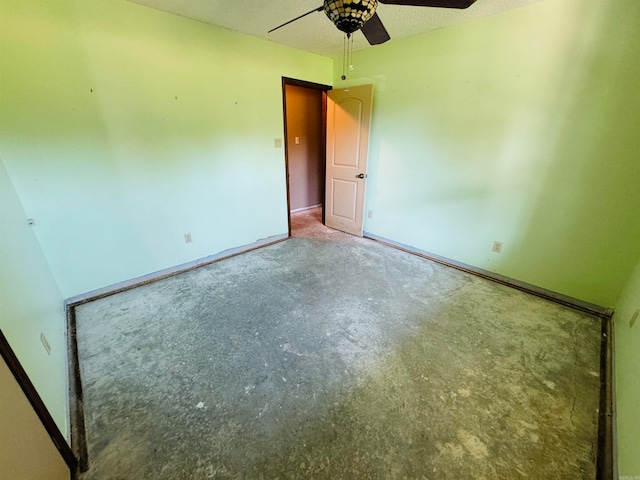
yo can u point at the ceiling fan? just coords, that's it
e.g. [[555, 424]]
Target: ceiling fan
[[353, 15]]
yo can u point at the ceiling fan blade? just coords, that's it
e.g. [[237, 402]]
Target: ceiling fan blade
[[319, 9], [374, 31], [432, 3]]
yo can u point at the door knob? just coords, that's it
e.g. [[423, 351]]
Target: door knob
[[362, 175]]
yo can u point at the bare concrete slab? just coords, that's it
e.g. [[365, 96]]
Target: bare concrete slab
[[329, 356]]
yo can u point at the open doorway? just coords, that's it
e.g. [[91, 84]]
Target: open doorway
[[305, 147]]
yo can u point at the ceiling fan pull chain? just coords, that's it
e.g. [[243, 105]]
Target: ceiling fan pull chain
[[351, 53], [345, 60], [349, 58], [344, 57]]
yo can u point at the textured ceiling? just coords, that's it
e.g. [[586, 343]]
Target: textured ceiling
[[315, 33]]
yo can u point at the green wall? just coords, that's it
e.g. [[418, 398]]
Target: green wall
[[31, 304], [521, 128], [123, 128], [627, 359]]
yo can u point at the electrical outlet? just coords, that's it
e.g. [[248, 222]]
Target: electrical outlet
[[370, 214], [187, 238], [497, 247], [297, 140], [634, 317], [31, 222], [277, 143], [45, 343]]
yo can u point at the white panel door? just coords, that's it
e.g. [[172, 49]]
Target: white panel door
[[348, 124]]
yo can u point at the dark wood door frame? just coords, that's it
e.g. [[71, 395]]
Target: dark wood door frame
[[30, 392], [314, 86]]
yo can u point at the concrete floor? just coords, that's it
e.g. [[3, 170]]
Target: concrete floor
[[333, 357]]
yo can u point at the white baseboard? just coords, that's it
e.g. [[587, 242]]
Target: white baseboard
[[305, 208]]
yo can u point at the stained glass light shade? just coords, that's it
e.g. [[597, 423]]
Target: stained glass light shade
[[350, 15]]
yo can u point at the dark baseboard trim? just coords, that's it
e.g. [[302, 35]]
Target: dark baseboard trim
[[170, 272], [76, 398], [586, 307], [36, 402], [606, 460], [79, 445], [606, 464]]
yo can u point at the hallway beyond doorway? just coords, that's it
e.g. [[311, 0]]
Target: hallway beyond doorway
[[308, 223]]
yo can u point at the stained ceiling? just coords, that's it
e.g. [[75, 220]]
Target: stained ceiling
[[315, 33]]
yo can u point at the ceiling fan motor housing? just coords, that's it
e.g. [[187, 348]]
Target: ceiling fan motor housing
[[349, 15]]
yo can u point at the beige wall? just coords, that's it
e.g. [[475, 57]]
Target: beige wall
[[26, 450], [304, 120]]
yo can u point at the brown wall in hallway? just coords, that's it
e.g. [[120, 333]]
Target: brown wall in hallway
[[304, 120]]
